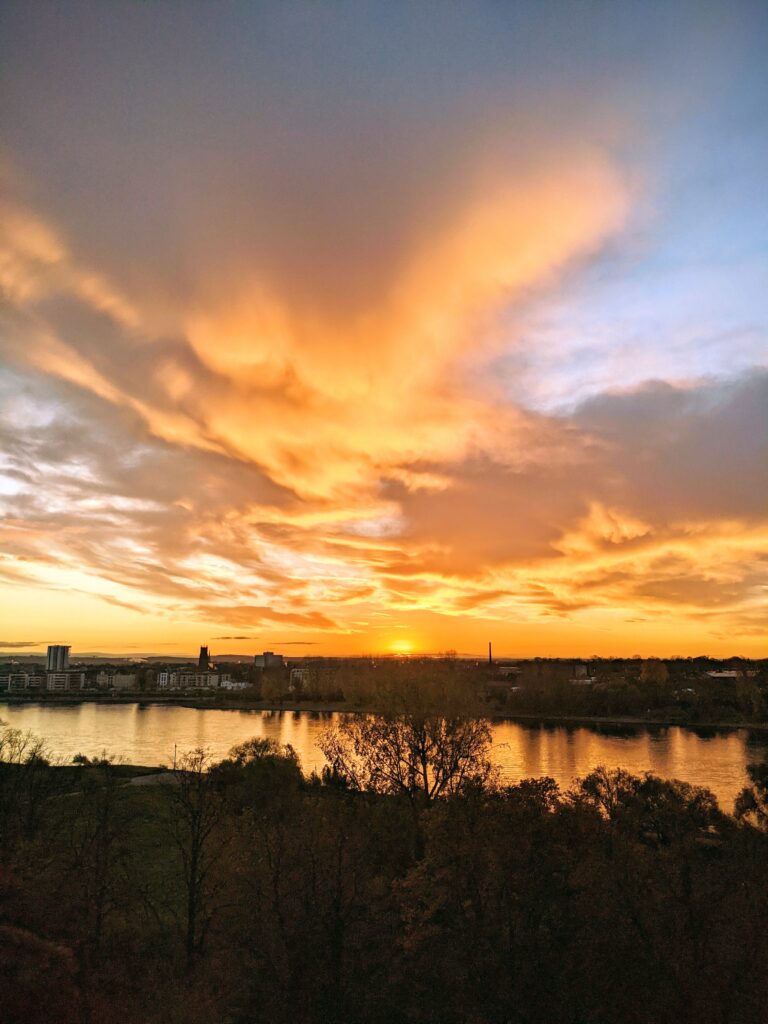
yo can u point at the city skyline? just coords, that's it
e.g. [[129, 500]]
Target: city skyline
[[133, 653], [355, 329]]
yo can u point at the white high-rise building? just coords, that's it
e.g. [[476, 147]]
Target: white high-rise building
[[58, 658]]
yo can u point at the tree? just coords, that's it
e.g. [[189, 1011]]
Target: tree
[[254, 771], [657, 810], [752, 801], [423, 757], [97, 848], [194, 824], [25, 782], [273, 685], [654, 671]]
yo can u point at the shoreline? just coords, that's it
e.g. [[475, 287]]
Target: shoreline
[[341, 707]]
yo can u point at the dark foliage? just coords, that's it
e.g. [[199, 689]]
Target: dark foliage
[[244, 893]]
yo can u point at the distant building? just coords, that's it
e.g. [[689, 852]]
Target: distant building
[[65, 680], [268, 660], [203, 662], [58, 658], [191, 680], [505, 669], [581, 676], [228, 683], [300, 678], [199, 680], [22, 681], [116, 681]]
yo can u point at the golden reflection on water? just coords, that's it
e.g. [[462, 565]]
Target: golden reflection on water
[[717, 761], [150, 734]]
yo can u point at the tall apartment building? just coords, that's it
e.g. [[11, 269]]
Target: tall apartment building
[[58, 658]]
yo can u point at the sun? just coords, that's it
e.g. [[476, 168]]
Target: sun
[[401, 647]]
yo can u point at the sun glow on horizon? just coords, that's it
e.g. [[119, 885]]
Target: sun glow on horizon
[[402, 647]]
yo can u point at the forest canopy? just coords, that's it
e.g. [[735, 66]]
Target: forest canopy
[[243, 891]]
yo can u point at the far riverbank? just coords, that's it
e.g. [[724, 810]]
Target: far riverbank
[[334, 707]]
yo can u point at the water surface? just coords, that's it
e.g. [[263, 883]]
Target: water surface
[[151, 733]]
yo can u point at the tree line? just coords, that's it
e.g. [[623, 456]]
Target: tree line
[[676, 689]]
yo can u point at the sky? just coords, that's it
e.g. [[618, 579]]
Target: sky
[[371, 327]]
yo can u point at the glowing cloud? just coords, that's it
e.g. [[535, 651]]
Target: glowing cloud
[[437, 341]]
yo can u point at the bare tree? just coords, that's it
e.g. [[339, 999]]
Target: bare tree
[[423, 757], [25, 782], [99, 841], [195, 810]]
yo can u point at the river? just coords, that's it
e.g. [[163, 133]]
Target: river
[[148, 734]]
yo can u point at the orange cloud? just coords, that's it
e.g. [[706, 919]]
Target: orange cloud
[[338, 470], [381, 388]]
